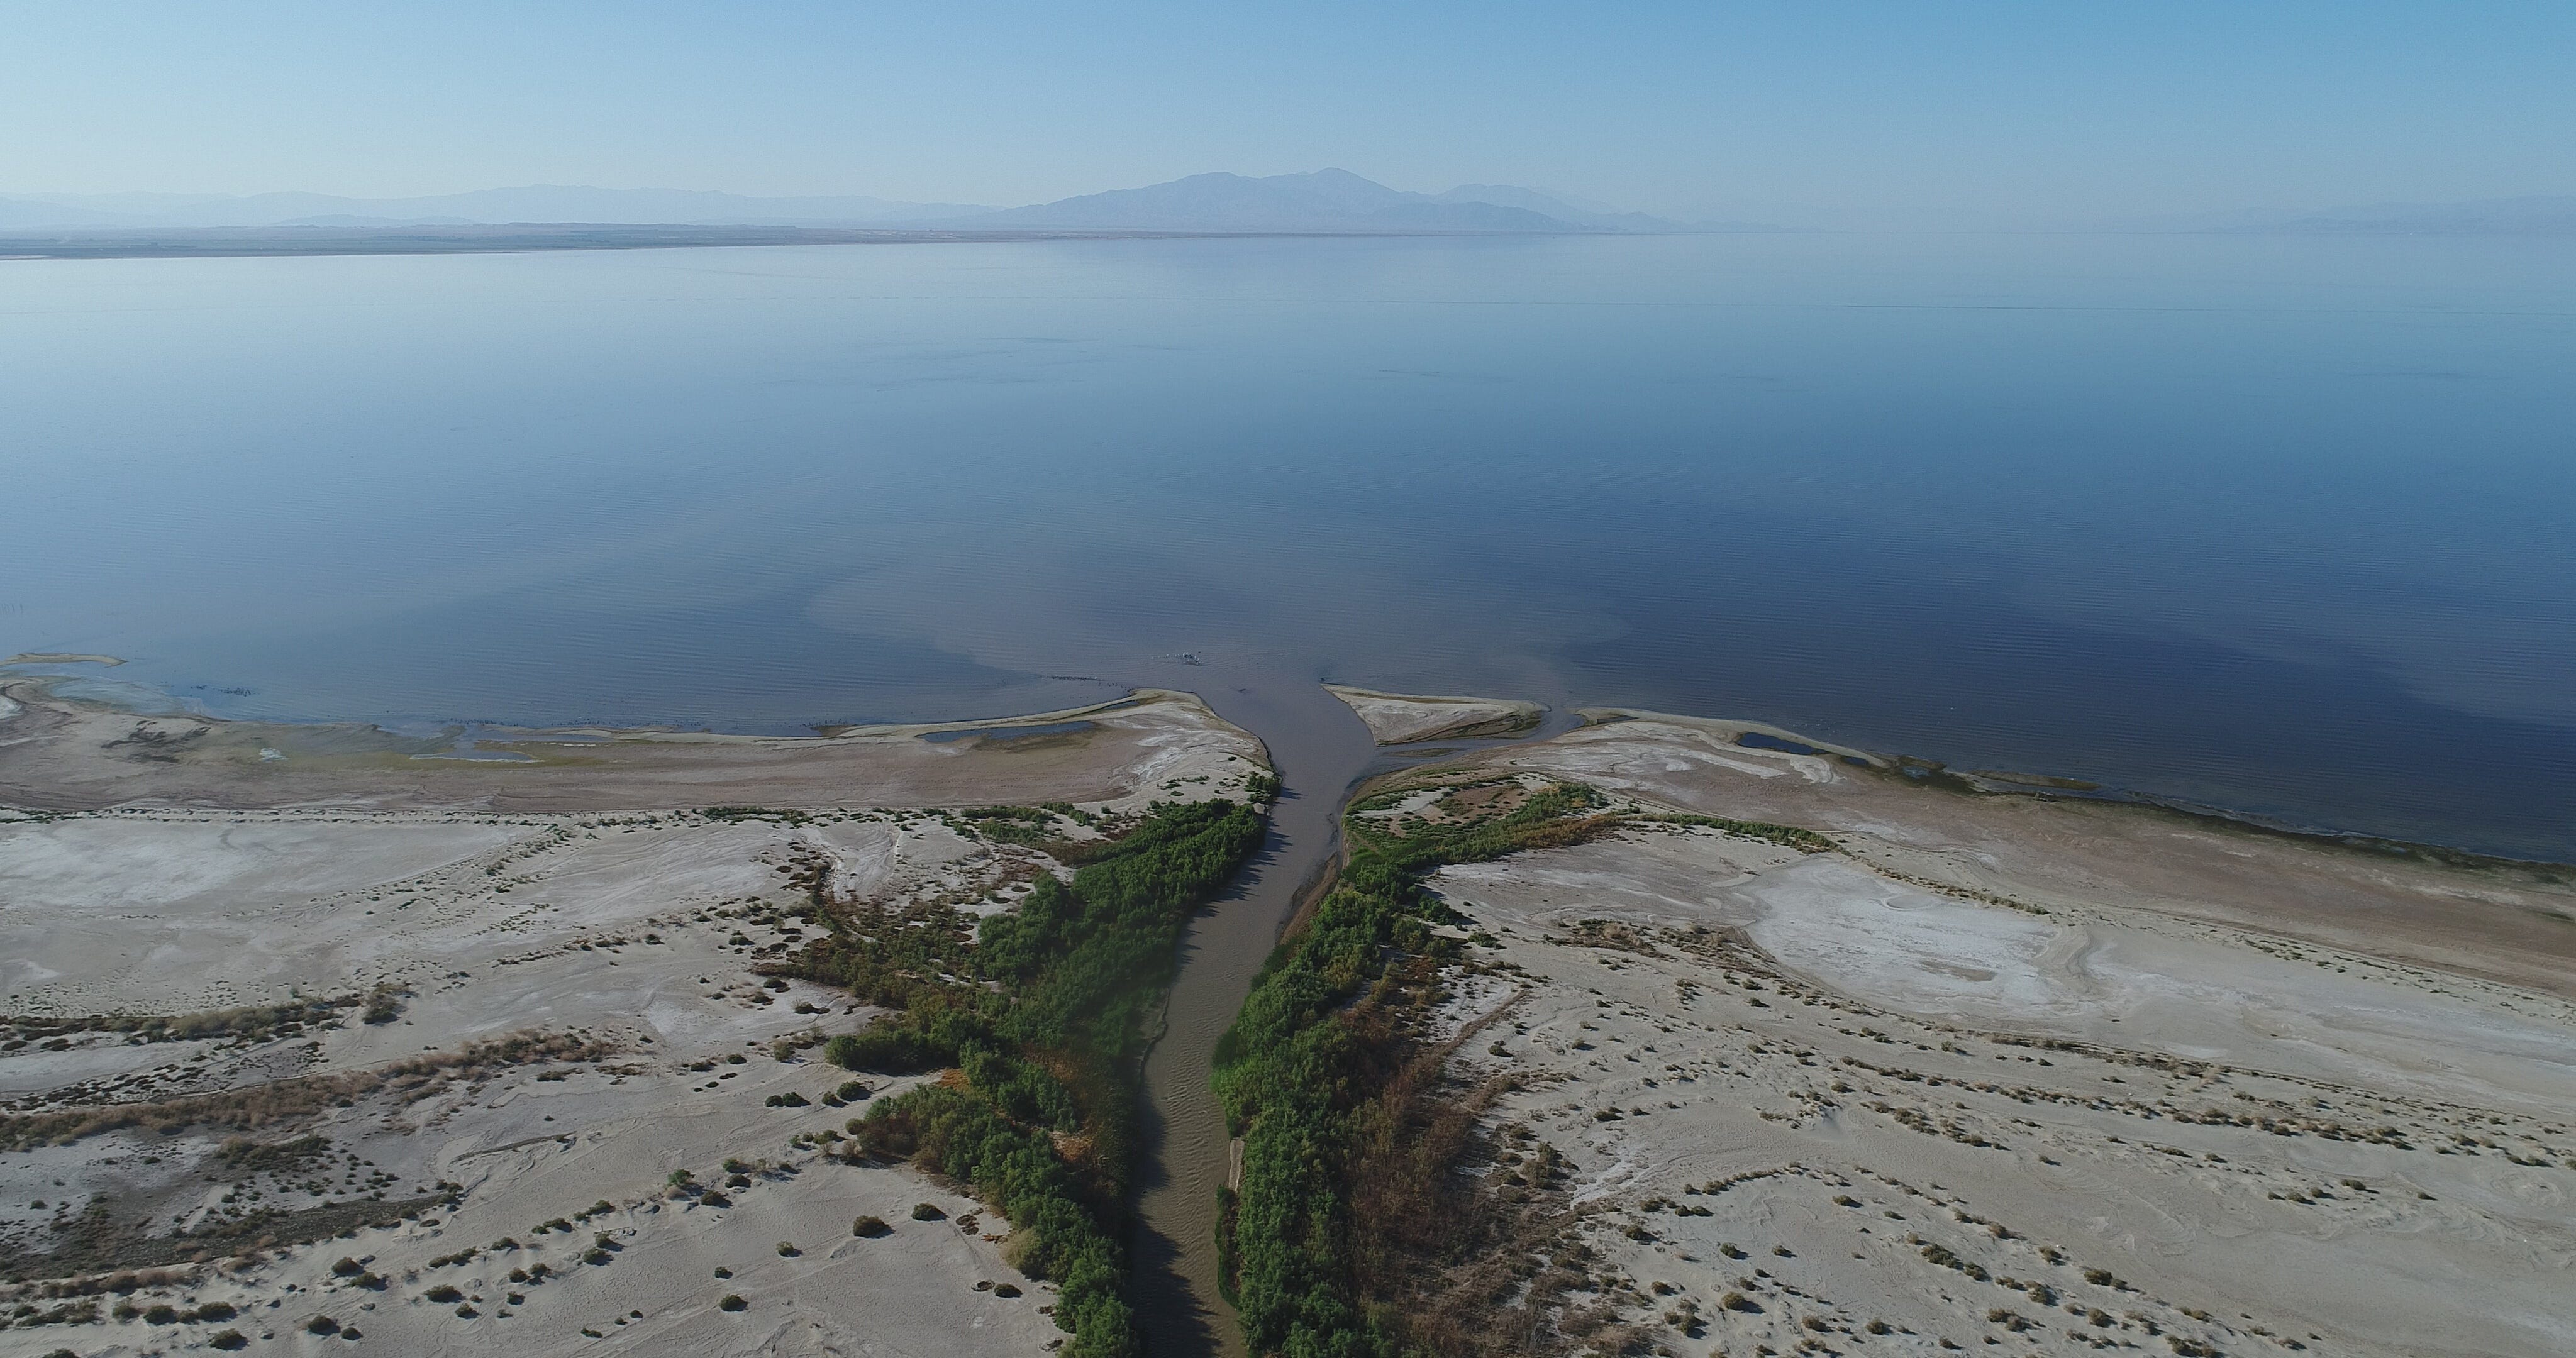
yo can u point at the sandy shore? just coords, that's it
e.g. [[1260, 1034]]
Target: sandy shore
[[1401, 719], [59, 754], [411, 915], [2051, 1076]]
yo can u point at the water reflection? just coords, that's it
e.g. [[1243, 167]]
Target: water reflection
[[2260, 523]]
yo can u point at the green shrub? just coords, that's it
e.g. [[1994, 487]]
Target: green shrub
[[889, 1046], [1052, 1051], [1294, 1076]]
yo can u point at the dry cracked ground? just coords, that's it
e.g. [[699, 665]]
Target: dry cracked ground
[[315, 1046]]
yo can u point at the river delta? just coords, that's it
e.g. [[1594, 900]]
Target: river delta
[[1744, 1043]]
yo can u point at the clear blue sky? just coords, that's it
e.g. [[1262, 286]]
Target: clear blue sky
[[1902, 112]]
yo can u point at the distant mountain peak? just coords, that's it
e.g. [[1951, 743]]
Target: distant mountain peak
[[1326, 200]]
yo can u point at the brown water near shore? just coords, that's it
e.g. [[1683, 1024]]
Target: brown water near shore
[[1319, 749], [1322, 752]]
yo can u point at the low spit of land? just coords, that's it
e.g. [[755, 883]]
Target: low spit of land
[[222, 242], [1400, 719]]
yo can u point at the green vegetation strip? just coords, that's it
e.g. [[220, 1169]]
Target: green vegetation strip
[[1806, 841], [1294, 1075], [1042, 1018], [1328, 1093]]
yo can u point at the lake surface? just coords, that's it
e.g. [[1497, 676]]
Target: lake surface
[[2280, 525]]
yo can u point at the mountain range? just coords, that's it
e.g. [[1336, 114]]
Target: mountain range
[[1323, 201], [533, 203], [1327, 201]]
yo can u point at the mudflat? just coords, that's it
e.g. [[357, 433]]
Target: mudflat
[[308, 1039], [1810, 1052], [60, 754]]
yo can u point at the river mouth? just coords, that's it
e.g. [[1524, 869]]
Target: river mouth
[[1321, 752]]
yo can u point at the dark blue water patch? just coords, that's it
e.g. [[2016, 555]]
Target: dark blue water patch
[[1052, 728], [1755, 740], [1933, 669]]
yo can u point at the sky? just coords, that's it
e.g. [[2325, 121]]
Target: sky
[[1896, 113]]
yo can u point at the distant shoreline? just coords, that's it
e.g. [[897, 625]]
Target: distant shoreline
[[263, 242]]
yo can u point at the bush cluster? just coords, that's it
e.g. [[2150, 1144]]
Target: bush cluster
[[1042, 1122], [1296, 1078]]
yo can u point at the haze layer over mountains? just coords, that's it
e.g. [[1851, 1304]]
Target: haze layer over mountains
[[1325, 200]]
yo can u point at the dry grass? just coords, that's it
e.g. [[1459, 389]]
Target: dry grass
[[294, 1099], [97, 1245], [253, 1023], [1458, 1264]]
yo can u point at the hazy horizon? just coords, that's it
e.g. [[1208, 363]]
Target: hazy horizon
[[677, 204], [1864, 116]]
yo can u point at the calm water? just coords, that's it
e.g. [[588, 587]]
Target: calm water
[[2281, 525]]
